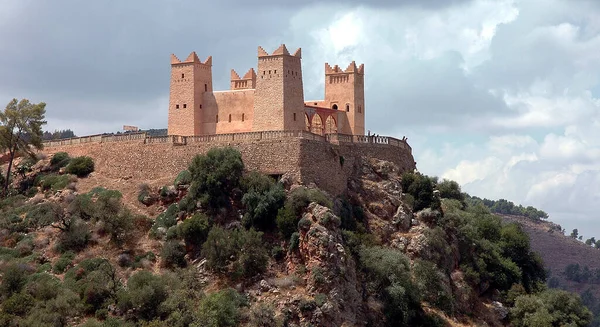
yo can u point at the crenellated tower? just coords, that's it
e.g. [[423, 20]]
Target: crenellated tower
[[243, 83], [345, 91], [279, 95], [190, 79]]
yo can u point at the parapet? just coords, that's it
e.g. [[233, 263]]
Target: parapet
[[352, 69], [191, 59], [281, 51], [246, 82]]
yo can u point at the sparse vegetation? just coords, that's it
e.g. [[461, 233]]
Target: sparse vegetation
[[80, 166]]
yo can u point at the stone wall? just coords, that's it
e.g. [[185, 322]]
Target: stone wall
[[235, 111], [305, 160]]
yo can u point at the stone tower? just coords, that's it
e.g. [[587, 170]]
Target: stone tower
[[190, 79], [279, 95], [345, 90]]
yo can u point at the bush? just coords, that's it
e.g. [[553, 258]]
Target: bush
[[80, 166], [220, 309], [277, 253], [145, 195], [75, 236], [183, 178], [55, 182], [63, 262], [165, 220], [239, 251], [263, 197], [18, 304], [13, 278], [194, 230], [43, 214], [173, 254], [431, 285], [389, 271], [294, 241], [215, 175], [59, 160], [145, 293], [550, 308], [287, 222]]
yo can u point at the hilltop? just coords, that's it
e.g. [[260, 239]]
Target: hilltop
[[221, 245]]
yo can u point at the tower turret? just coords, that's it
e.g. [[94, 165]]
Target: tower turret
[[190, 79], [345, 91], [279, 97]]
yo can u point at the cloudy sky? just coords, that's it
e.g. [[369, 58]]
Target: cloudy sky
[[499, 95]]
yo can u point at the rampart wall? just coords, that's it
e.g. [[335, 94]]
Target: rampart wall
[[305, 157]]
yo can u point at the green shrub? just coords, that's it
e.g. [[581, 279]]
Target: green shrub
[[145, 195], [145, 294], [165, 220], [263, 197], [430, 282], [63, 262], [389, 272], [74, 237], [294, 241], [220, 309], [215, 175], [18, 304], [304, 224], [550, 308], [173, 254], [14, 277], [239, 251], [80, 166], [194, 230], [43, 214], [59, 160], [183, 178], [320, 299], [277, 253], [287, 222]]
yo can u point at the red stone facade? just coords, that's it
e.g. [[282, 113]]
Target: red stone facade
[[270, 98]]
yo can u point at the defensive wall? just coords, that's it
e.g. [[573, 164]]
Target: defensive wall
[[328, 161]]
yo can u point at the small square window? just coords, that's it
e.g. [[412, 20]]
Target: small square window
[[200, 106], [176, 106], [184, 106], [182, 75], [294, 116]]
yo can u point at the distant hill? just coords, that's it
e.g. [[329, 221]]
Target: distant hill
[[558, 252]]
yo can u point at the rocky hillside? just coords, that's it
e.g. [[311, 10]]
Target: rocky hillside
[[221, 246]]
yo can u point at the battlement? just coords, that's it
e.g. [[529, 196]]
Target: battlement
[[351, 69], [281, 51], [246, 82], [191, 59]]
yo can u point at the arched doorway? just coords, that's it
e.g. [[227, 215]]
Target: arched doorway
[[330, 125], [317, 125], [306, 123]]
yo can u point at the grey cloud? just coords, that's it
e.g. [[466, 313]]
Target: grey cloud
[[427, 4], [428, 93]]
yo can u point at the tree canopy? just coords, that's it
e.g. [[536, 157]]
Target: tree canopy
[[21, 130]]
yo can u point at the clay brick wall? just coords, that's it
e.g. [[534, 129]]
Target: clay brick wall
[[307, 161], [238, 104]]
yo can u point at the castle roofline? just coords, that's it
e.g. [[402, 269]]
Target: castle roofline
[[281, 51]]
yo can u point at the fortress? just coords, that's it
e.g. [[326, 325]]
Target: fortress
[[269, 99], [264, 115]]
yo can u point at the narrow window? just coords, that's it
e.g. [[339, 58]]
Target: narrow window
[[184, 105], [230, 118], [242, 117], [275, 71], [347, 107], [217, 119], [359, 109], [182, 75], [205, 87], [176, 106], [294, 116], [269, 72], [200, 106]]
